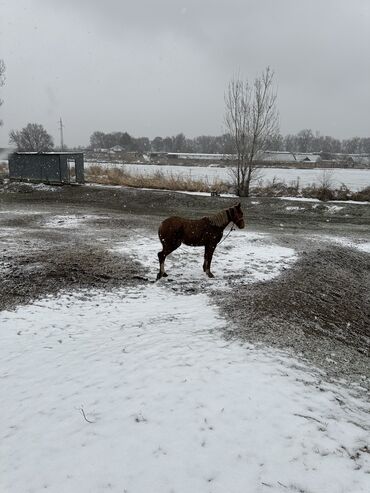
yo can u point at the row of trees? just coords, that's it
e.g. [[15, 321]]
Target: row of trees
[[177, 143], [101, 140], [308, 141], [304, 141], [34, 137]]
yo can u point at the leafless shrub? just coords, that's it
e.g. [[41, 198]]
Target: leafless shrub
[[277, 188], [315, 192], [343, 192], [323, 189], [326, 178], [361, 195]]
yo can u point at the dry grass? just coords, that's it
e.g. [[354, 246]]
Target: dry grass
[[276, 188], [168, 181], [157, 180]]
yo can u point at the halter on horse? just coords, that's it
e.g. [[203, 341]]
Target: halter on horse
[[205, 232]]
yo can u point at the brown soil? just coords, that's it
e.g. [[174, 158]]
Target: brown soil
[[27, 277], [325, 293], [319, 309]]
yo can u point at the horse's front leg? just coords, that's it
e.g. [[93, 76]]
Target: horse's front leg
[[208, 253]]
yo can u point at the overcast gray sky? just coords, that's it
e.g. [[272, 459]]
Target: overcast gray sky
[[160, 67]]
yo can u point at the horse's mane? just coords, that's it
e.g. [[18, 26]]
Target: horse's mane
[[220, 219]]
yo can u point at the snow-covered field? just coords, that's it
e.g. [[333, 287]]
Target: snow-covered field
[[137, 390], [355, 179]]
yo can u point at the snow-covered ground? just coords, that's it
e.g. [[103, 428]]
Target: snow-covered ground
[[137, 390], [69, 221], [253, 255]]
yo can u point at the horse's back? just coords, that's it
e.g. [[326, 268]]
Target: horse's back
[[176, 222], [172, 222]]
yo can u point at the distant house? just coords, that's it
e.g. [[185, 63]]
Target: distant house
[[290, 157], [347, 160], [117, 148], [359, 159]]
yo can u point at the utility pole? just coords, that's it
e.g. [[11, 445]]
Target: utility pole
[[61, 126]]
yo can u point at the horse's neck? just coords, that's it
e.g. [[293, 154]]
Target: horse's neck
[[220, 219]]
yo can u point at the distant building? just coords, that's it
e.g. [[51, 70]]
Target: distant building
[[116, 148], [290, 157]]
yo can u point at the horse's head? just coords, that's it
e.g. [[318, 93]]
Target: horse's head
[[236, 215]]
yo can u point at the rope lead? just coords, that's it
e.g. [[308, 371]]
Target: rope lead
[[231, 229]]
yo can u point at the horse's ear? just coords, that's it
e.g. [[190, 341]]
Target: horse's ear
[[238, 206]]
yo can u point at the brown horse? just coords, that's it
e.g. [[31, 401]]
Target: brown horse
[[205, 232]]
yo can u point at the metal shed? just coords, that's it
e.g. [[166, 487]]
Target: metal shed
[[47, 167]]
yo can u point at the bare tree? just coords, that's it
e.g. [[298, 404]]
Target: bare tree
[[2, 81], [33, 137], [305, 140], [252, 120]]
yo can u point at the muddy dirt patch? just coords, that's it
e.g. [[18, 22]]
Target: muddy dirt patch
[[27, 277], [320, 308]]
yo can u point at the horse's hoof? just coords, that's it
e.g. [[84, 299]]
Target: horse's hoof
[[159, 275], [210, 275], [164, 274]]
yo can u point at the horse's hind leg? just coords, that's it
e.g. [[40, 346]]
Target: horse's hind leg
[[161, 258], [167, 249]]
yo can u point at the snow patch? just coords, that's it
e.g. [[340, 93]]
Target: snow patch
[[69, 221], [253, 255], [298, 199], [332, 209], [44, 187], [136, 390]]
